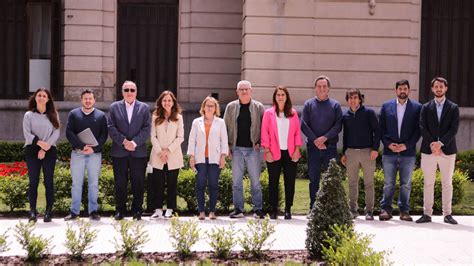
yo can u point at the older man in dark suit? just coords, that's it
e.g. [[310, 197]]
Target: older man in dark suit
[[439, 122], [129, 128], [399, 125]]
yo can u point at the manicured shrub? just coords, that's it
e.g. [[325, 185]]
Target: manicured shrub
[[12, 151], [80, 239], [222, 240], [225, 190], [62, 188], [183, 235], [186, 188], [14, 191], [132, 237], [331, 208], [256, 236], [35, 246], [416, 195], [347, 247]]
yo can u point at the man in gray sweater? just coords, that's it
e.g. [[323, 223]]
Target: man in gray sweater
[[243, 118]]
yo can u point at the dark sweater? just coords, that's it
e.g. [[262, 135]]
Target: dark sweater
[[322, 118], [77, 121], [361, 129]]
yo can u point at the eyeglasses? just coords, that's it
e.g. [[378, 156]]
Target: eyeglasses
[[129, 90]]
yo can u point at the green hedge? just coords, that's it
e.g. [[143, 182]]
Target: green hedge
[[13, 189], [416, 195]]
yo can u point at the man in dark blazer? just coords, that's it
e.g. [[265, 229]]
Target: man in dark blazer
[[129, 128], [439, 123], [399, 125]]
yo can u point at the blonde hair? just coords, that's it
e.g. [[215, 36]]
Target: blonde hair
[[217, 112]]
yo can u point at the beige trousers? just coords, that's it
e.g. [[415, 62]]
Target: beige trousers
[[429, 165], [357, 158]]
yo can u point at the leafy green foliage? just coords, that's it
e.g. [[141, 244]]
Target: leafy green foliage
[[132, 237], [222, 240], [183, 235], [417, 187], [36, 247], [14, 191], [4, 242], [331, 208], [256, 236], [347, 247], [186, 188], [78, 241]]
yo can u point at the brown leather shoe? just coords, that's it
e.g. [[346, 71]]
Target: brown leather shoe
[[404, 216], [385, 216]]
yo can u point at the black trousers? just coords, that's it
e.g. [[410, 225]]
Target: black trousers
[[125, 168], [289, 175], [169, 179], [151, 185], [34, 166]]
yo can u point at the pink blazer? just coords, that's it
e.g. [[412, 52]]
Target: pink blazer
[[269, 133]]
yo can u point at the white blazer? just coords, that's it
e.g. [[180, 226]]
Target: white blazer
[[217, 141]]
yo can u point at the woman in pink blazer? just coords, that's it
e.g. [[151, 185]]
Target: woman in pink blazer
[[281, 139]]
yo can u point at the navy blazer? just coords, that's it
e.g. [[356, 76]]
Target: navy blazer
[[445, 130], [137, 130], [410, 131]]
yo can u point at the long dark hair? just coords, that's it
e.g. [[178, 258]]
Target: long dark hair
[[51, 111], [160, 111], [287, 109]]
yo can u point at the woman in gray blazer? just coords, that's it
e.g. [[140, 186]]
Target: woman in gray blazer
[[207, 148]]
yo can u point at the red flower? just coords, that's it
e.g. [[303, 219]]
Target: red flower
[[16, 168]]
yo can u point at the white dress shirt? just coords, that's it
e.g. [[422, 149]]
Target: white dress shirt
[[129, 108], [400, 113]]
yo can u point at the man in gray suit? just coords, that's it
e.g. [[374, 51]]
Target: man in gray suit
[[129, 128]]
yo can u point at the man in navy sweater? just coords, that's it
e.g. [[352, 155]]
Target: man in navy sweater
[[85, 155], [361, 141], [321, 124]]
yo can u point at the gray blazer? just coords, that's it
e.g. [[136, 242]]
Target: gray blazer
[[137, 130]]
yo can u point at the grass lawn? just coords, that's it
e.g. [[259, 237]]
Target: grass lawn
[[301, 200]]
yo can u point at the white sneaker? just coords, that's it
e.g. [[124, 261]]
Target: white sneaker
[[157, 214], [169, 213]]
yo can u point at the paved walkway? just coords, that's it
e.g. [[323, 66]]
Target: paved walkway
[[409, 243]]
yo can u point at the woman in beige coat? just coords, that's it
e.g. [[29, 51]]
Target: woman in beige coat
[[167, 134]]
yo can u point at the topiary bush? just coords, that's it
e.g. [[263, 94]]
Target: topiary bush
[[416, 195], [331, 208]]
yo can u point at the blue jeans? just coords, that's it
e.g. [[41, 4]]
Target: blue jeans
[[79, 163], [241, 157], [404, 165], [207, 173], [318, 160]]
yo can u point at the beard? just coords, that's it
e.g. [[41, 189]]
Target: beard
[[439, 95], [402, 96]]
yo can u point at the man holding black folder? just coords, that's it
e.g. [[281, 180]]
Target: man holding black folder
[[86, 130]]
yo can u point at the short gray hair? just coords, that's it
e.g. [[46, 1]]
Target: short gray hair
[[244, 82], [129, 82]]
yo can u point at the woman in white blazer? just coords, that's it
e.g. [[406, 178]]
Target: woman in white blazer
[[167, 134], [207, 148]]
